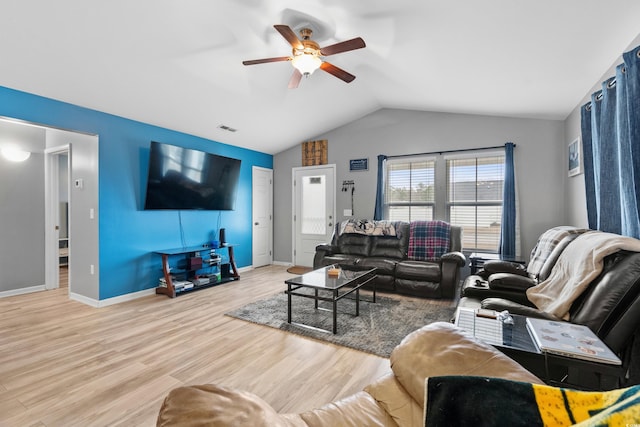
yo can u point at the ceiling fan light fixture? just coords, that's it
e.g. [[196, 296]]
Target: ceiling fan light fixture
[[306, 63]]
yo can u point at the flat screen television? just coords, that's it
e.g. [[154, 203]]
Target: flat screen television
[[182, 178]]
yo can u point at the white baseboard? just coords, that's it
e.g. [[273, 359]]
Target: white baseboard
[[111, 301], [21, 291]]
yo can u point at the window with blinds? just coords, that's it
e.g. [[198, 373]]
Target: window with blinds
[[474, 199], [410, 189]]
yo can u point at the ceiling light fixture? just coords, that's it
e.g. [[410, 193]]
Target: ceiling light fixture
[[306, 58], [15, 154], [306, 63]]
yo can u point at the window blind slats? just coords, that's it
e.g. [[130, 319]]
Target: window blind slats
[[474, 190]]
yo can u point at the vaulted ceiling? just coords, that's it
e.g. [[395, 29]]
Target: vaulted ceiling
[[178, 64]]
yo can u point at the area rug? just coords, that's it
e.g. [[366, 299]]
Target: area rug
[[297, 269], [379, 328]]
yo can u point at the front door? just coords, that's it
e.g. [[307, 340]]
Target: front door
[[313, 210]]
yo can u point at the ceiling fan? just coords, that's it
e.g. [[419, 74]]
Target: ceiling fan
[[306, 56]]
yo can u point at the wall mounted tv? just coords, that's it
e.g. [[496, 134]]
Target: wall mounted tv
[[182, 178]]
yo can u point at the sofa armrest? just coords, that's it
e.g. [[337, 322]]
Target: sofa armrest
[[510, 282], [457, 257], [444, 349], [450, 264], [497, 266], [321, 252], [329, 249], [501, 304]]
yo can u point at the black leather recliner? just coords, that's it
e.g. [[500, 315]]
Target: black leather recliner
[[509, 279], [610, 307]]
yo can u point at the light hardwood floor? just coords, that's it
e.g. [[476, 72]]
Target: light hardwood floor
[[63, 363]]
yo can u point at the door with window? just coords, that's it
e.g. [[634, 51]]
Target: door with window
[[313, 210]]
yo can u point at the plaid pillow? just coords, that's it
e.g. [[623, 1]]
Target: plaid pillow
[[428, 240]]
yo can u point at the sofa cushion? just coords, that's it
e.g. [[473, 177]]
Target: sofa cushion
[[359, 409], [390, 247], [354, 244], [386, 266], [418, 270], [443, 349]]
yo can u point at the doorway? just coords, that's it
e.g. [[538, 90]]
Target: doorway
[[35, 226], [57, 208], [262, 216], [313, 210]]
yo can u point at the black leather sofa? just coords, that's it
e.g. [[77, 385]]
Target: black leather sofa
[[395, 271], [609, 306]]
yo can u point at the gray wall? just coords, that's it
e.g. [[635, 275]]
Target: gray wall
[[22, 210], [538, 158]]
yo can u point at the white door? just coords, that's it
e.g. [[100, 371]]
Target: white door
[[313, 210], [262, 200]]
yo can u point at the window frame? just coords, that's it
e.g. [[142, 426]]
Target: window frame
[[410, 159], [441, 206]]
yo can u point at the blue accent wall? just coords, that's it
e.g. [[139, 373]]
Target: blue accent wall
[[128, 234]]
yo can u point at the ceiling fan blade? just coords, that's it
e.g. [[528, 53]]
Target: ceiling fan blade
[[289, 36], [345, 46], [338, 72], [264, 61], [295, 79]]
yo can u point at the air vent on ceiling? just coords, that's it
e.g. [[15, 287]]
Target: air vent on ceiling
[[227, 128]]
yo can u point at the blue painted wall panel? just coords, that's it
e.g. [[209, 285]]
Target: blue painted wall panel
[[128, 234]]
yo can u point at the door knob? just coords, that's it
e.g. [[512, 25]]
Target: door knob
[[256, 223]]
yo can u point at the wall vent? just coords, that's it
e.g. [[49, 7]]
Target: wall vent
[[227, 128]]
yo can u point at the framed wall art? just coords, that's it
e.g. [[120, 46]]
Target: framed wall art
[[575, 157]]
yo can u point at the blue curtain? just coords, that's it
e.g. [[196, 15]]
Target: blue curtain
[[378, 212], [508, 223], [611, 150]]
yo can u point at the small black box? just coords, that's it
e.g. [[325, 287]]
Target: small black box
[[194, 263]]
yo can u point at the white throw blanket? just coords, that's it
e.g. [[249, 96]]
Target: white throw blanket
[[578, 265]]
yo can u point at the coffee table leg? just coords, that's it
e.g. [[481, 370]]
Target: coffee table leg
[[357, 301], [289, 305], [316, 303], [335, 311]]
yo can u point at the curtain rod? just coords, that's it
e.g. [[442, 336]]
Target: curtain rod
[[446, 151]]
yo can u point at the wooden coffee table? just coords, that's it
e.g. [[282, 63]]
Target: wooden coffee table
[[348, 282]]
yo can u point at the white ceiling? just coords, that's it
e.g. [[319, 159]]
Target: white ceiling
[[178, 63]]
